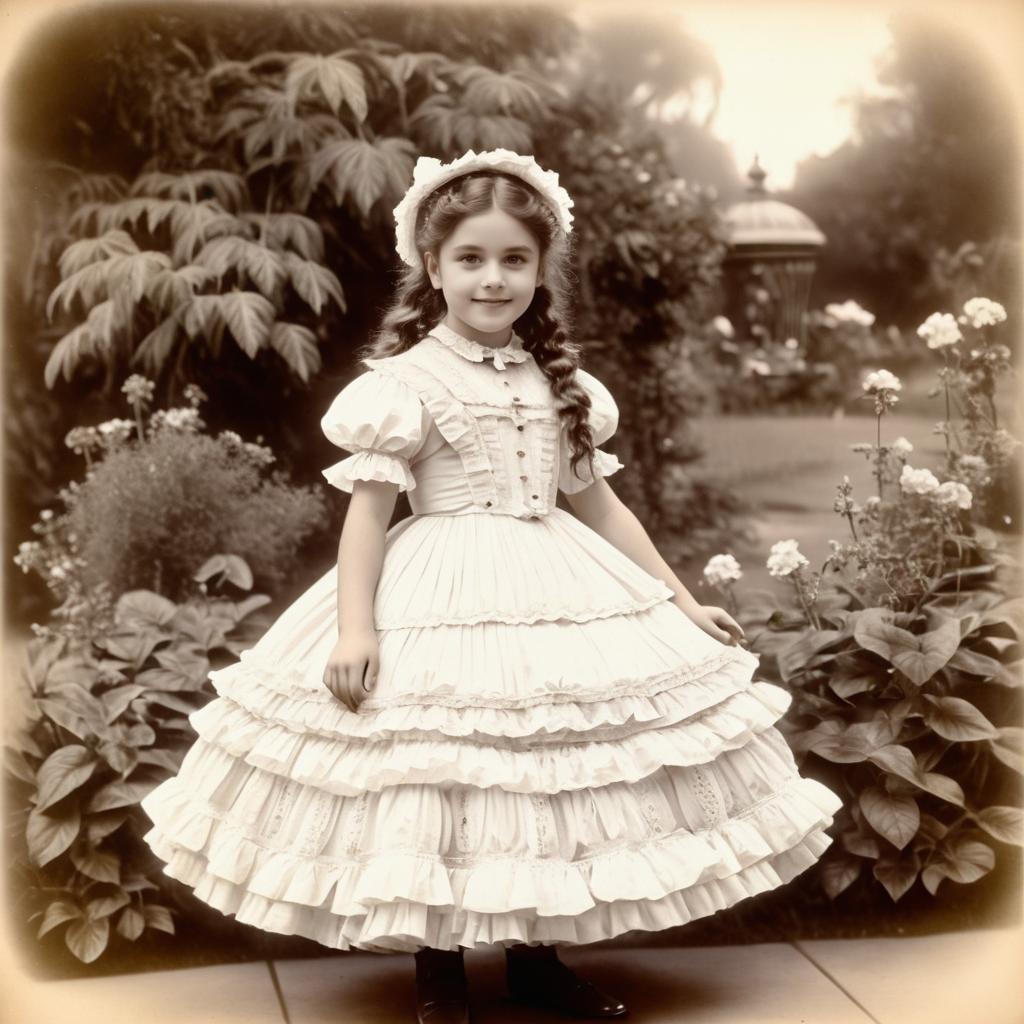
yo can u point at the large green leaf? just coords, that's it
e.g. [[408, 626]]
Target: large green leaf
[[297, 346], [897, 759], [960, 860], [159, 918], [118, 794], [956, 719], [313, 282], [57, 913], [1003, 823], [49, 835], [102, 867], [85, 251], [104, 906], [248, 316], [229, 188], [131, 923], [363, 171], [290, 231], [64, 771], [87, 938], [896, 875], [839, 873], [1008, 747], [337, 80], [895, 818]]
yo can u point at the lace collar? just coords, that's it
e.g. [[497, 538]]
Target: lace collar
[[513, 352]]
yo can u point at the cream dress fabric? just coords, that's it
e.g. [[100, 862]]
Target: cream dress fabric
[[553, 751]]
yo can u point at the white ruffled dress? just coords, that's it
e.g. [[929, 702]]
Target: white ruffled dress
[[553, 751]]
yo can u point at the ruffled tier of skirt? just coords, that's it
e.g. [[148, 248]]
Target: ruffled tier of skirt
[[557, 765]]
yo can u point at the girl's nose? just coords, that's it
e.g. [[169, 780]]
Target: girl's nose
[[493, 276]]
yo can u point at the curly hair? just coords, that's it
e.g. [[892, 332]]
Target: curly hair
[[544, 327]]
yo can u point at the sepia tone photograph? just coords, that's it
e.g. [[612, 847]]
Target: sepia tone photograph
[[512, 512]]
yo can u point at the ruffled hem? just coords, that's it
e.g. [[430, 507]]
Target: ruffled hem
[[404, 926], [647, 870], [721, 692], [350, 766], [285, 698], [605, 464], [370, 464]]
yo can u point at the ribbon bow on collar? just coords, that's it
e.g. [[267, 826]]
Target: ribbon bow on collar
[[513, 352]]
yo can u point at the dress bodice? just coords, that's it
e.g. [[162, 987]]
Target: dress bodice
[[464, 428]]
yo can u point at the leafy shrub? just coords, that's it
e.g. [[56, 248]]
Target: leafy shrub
[[159, 498], [108, 721], [903, 654], [746, 370], [648, 248]]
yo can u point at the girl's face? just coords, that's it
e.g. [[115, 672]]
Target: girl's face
[[488, 269]]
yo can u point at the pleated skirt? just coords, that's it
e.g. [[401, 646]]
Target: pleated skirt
[[553, 752]]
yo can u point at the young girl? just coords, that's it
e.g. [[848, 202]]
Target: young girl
[[497, 722]]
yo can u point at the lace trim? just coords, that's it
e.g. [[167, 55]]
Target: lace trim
[[789, 788], [567, 695], [513, 352], [548, 614]]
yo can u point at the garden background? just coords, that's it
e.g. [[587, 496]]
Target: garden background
[[200, 200]]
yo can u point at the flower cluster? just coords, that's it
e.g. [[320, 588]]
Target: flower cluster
[[981, 312], [722, 570], [138, 389], [187, 419], [850, 312], [940, 330], [785, 558]]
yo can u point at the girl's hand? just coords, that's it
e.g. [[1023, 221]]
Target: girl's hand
[[718, 623], [352, 665]]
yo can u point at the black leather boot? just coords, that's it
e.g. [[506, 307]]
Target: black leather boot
[[441, 992], [537, 977]]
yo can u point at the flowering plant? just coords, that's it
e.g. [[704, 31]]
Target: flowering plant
[[159, 496], [903, 655]]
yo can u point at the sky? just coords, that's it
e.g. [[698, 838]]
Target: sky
[[785, 74], [788, 65]]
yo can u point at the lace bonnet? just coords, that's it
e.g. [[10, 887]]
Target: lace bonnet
[[430, 174]]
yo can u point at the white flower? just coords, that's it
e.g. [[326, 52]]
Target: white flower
[[940, 330], [723, 325], [177, 419], [759, 366], [984, 312], [57, 573], [902, 446], [873, 501], [785, 558], [850, 312], [722, 569], [670, 199], [972, 463], [881, 380], [643, 177], [46, 514], [791, 343], [231, 438], [954, 493], [918, 481]]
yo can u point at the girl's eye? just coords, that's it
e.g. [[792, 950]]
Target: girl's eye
[[468, 258], [517, 259]]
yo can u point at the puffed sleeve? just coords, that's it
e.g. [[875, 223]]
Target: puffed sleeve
[[603, 420], [382, 421]]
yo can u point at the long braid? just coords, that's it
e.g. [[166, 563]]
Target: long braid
[[545, 327]]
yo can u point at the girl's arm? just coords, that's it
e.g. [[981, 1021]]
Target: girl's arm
[[361, 551], [600, 508], [360, 557]]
